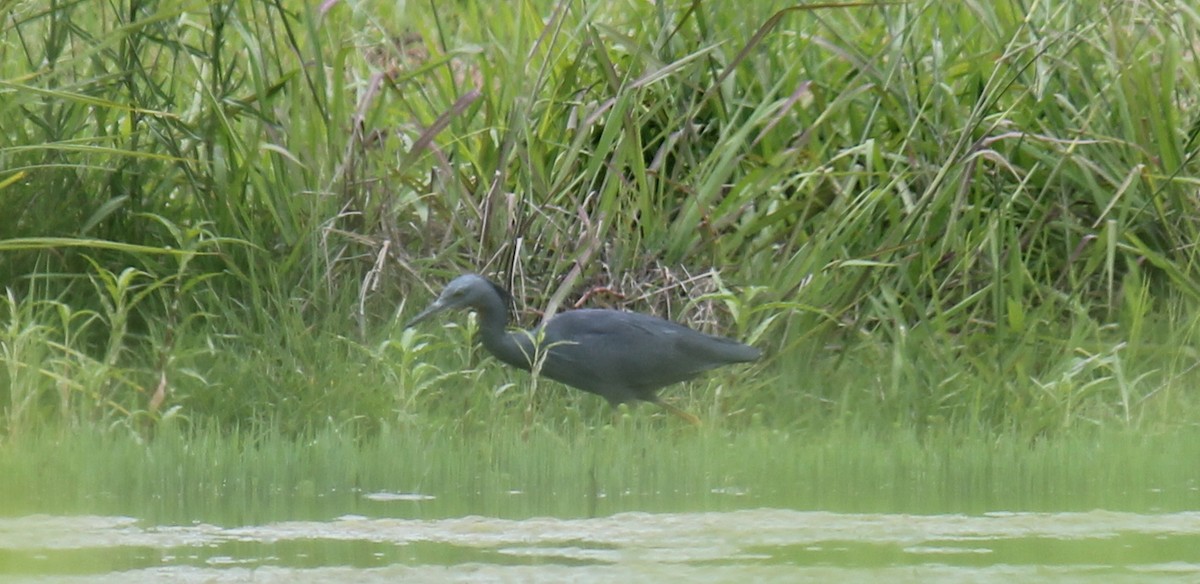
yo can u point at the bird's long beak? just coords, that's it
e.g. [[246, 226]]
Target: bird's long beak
[[433, 309]]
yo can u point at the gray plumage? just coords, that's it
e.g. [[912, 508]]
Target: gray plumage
[[621, 356]]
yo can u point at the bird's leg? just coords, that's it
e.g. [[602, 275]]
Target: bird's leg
[[529, 405], [618, 412], [693, 420]]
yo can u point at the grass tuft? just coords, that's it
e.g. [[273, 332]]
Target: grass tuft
[[929, 214]]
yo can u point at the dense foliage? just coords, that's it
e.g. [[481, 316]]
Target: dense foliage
[[928, 213]]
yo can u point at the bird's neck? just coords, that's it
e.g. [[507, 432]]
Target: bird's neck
[[515, 348]]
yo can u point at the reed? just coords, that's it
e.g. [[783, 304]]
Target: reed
[[968, 215], [254, 476]]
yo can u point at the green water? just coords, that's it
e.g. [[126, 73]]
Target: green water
[[644, 502], [773, 544]]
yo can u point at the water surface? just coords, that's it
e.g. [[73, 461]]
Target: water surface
[[756, 544], [617, 504]]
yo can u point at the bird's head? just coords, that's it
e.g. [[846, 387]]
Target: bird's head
[[467, 290]]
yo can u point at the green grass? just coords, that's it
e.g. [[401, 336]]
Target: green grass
[[252, 476], [933, 216]]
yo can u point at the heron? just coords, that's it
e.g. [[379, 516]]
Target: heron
[[622, 356]]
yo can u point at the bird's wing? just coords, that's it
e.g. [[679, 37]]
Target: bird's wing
[[660, 337], [608, 350]]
